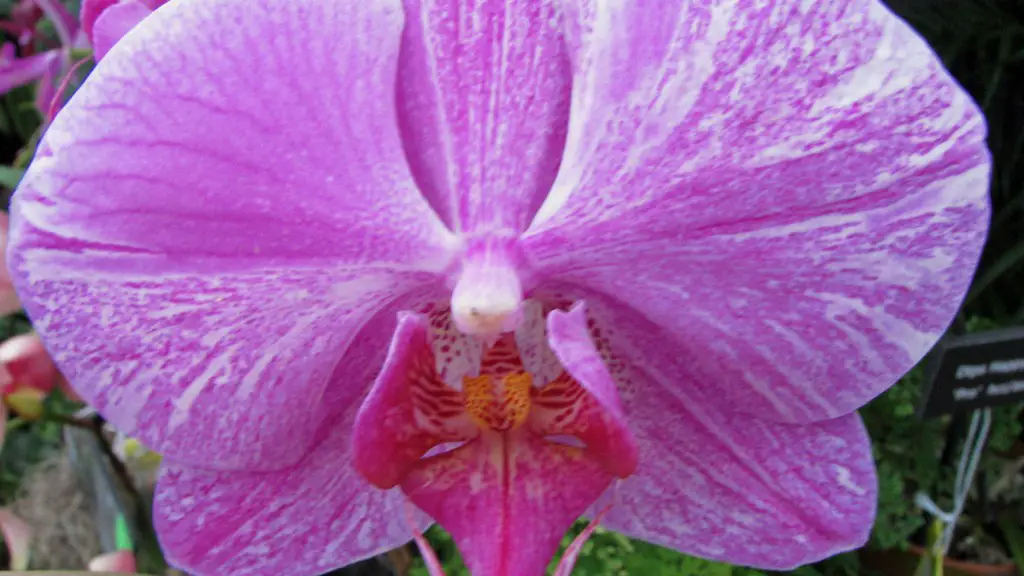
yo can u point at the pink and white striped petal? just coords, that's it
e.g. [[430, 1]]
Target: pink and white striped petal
[[194, 246], [483, 102], [315, 516], [800, 192], [727, 486]]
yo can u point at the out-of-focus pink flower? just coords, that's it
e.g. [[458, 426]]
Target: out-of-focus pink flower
[[17, 537], [9, 301], [25, 16], [27, 375], [104, 23], [403, 253], [107, 21], [48, 68], [25, 363], [121, 561], [15, 71]]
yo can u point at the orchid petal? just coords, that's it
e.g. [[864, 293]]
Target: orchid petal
[[772, 496], [598, 420], [308, 519], [200, 253], [22, 71], [390, 434], [800, 193], [29, 364], [17, 536], [507, 499], [483, 100], [726, 486], [9, 301], [114, 22]]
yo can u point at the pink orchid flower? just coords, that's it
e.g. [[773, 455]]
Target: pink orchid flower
[[49, 67], [107, 21], [355, 266], [25, 16]]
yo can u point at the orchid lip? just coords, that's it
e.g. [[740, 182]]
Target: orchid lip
[[503, 440]]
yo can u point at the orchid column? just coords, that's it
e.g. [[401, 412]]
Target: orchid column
[[505, 263]]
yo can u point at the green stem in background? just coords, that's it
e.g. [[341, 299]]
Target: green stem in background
[[1014, 538], [933, 558]]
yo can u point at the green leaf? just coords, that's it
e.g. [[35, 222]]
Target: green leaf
[[10, 176], [1014, 539], [1009, 259]]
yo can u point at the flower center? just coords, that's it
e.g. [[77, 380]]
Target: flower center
[[500, 405], [487, 298], [499, 398]]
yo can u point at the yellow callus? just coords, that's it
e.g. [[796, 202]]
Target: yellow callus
[[499, 405]]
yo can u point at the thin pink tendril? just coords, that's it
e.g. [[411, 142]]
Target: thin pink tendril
[[565, 566], [55, 103], [429, 557], [568, 560]]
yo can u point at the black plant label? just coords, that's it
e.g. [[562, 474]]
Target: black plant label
[[974, 371]]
